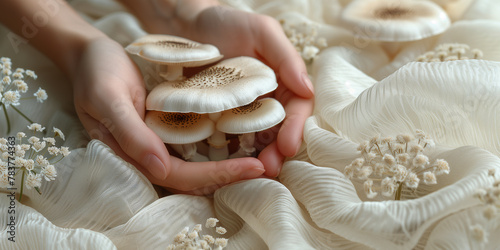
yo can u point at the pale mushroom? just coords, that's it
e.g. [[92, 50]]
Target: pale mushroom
[[246, 120], [229, 84], [394, 20], [174, 52], [181, 131]]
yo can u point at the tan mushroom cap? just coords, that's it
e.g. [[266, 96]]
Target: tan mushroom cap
[[394, 20], [256, 116], [229, 84], [173, 50], [180, 128]]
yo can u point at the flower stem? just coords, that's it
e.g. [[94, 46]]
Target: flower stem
[[6, 118], [23, 115], [398, 192], [22, 186]]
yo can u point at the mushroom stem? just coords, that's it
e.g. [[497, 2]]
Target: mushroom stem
[[218, 144], [246, 146], [173, 73], [188, 152]]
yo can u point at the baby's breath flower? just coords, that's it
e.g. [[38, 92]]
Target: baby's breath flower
[[211, 222], [20, 135], [441, 167], [50, 140], [64, 151], [209, 238], [11, 98], [40, 95], [53, 150], [38, 146], [449, 52], [36, 127], [429, 178], [31, 74], [222, 242], [220, 230], [33, 180], [395, 162], [49, 172]]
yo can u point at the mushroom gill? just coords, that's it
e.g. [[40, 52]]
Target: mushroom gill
[[212, 77], [176, 44], [179, 120], [392, 12], [247, 108]]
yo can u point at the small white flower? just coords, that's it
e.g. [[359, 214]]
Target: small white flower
[[209, 238], [58, 132], [412, 180], [17, 75], [49, 172], [420, 161], [197, 228], [11, 98], [309, 52], [40, 95], [388, 186], [33, 180], [36, 127], [349, 172], [364, 172], [441, 167], [53, 150], [193, 235], [220, 230], [29, 164], [50, 140], [65, 151], [31, 74], [33, 139], [23, 87], [221, 242], [429, 178], [211, 222], [20, 135], [368, 188], [41, 161], [38, 146], [6, 80]]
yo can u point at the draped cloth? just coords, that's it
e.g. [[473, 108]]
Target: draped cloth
[[99, 201]]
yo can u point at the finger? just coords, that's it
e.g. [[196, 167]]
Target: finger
[[291, 131], [135, 138], [189, 176], [277, 50], [272, 159]]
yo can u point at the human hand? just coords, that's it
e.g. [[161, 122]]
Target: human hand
[[238, 33], [110, 101]]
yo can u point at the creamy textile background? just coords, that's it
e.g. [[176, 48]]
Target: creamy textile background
[[98, 201]]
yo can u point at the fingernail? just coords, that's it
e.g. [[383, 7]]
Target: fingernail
[[307, 82], [252, 173], [155, 167]]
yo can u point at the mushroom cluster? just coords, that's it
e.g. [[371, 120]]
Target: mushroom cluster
[[221, 99]]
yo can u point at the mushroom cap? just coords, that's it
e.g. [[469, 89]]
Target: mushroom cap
[[256, 116], [180, 128], [229, 84], [173, 50], [394, 20]]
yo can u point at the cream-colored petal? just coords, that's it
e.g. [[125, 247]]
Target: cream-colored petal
[[277, 217], [156, 225], [333, 204], [94, 189], [33, 231], [340, 75]]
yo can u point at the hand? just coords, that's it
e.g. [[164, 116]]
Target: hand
[[238, 33], [110, 101]]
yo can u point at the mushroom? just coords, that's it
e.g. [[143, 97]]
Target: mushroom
[[391, 21], [174, 52], [229, 84], [181, 131], [394, 20], [246, 120]]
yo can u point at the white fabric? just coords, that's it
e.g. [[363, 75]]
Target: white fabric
[[98, 201]]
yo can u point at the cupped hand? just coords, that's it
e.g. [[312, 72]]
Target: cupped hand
[[110, 101], [239, 33]]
